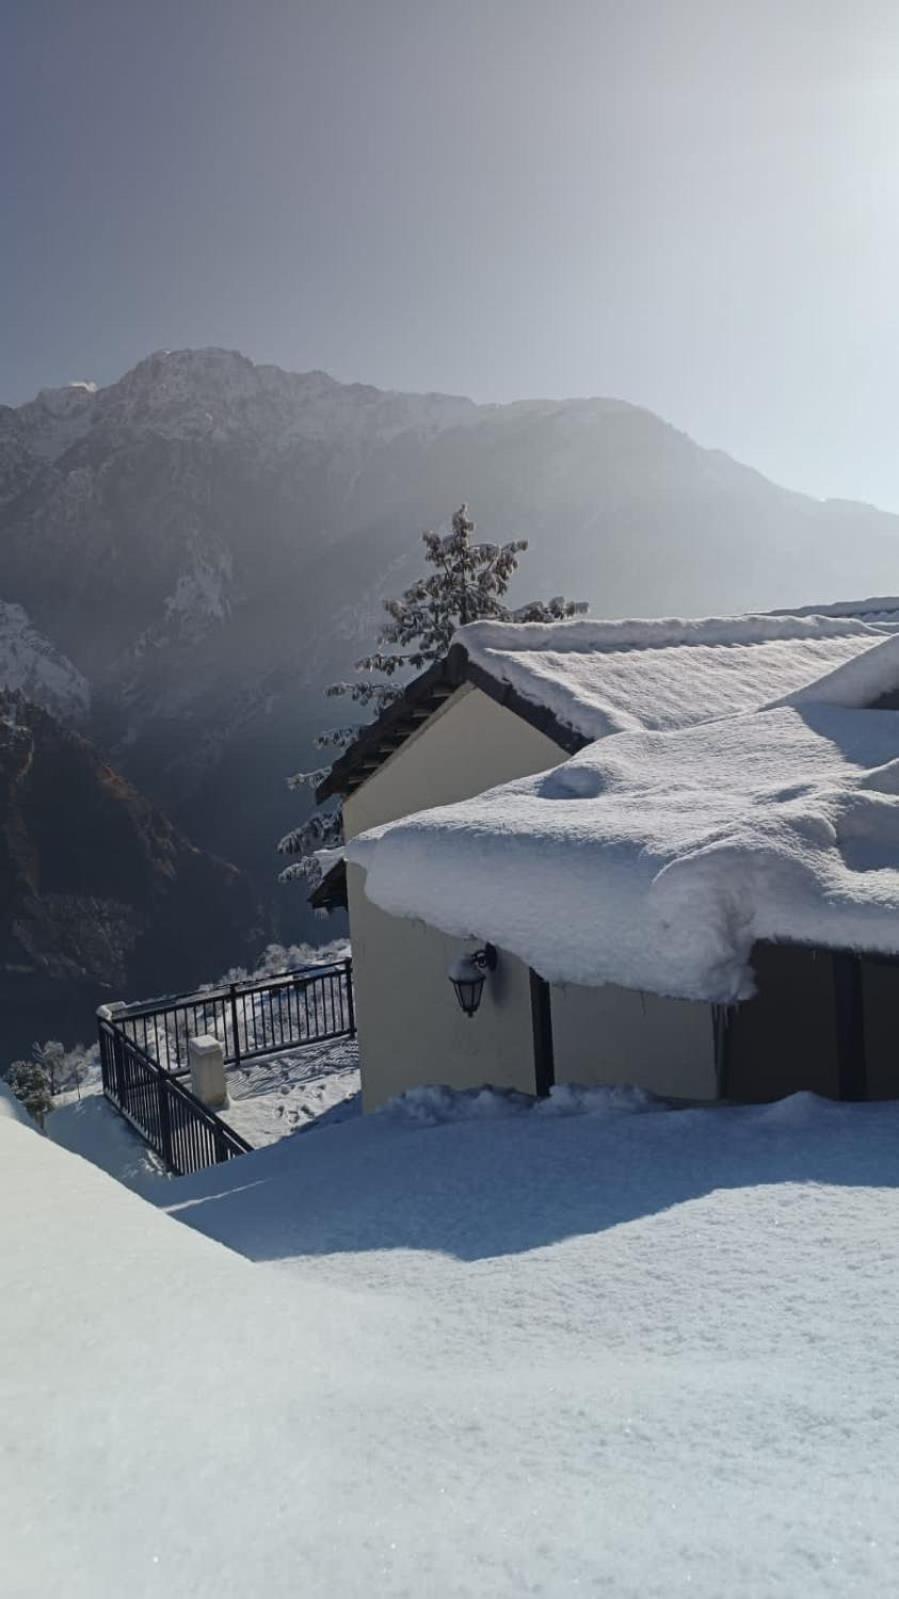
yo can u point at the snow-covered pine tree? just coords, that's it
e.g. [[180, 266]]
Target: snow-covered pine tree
[[466, 583]]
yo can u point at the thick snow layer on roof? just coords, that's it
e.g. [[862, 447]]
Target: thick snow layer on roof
[[656, 860], [526, 1354], [881, 609], [608, 677], [861, 681]]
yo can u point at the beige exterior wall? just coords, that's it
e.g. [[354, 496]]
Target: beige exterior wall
[[412, 1029], [469, 745], [617, 1035]]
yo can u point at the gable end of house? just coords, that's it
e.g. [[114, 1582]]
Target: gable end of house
[[418, 703]]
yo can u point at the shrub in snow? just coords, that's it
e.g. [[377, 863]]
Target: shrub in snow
[[50, 1057], [65, 1069], [30, 1086], [467, 582]]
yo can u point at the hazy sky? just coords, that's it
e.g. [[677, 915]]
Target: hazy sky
[[691, 204]]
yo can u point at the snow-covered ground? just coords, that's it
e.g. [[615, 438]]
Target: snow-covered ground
[[89, 1126], [280, 1094], [462, 1347]]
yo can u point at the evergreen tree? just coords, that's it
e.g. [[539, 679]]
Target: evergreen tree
[[51, 1058], [29, 1084], [467, 582]]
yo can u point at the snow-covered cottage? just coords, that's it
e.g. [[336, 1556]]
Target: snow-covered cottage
[[738, 837]]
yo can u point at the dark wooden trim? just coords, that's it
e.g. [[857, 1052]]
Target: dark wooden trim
[[331, 892], [849, 1018], [722, 1018], [379, 740], [376, 741], [542, 1027]]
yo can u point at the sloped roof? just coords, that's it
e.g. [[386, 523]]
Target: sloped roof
[[880, 609], [658, 859], [611, 677], [870, 678], [580, 680], [378, 741]]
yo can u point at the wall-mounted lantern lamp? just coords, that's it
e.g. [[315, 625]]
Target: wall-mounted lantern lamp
[[468, 974]]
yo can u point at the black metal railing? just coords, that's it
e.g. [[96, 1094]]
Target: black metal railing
[[259, 1016], [144, 1052], [183, 1131]]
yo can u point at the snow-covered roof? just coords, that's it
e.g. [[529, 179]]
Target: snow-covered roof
[[880, 609], [657, 860], [599, 677], [869, 678], [581, 680]]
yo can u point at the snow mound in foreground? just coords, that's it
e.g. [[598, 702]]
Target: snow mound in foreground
[[643, 1355], [12, 1109]]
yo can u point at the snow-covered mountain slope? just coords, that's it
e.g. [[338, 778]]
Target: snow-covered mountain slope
[[647, 1356], [209, 540], [100, 896], [30, 665]]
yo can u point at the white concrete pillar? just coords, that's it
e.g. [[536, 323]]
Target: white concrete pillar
[[108, 1013], [207, 1070]]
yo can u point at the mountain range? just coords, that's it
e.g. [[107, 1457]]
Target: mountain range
[[190, 554]]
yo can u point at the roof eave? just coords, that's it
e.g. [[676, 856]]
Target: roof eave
[[331, 893]]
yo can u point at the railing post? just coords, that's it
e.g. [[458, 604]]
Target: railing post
[[119, 1066], [102, 1038], [165, 1119], [233, 994], [350, 1002]]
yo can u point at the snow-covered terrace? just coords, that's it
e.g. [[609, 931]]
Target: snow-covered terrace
[[657, 859]]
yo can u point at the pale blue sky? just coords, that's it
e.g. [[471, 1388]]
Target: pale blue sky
[[692, 204]]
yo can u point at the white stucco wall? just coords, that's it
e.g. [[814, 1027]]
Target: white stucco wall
[[470, 744], [618, 1035]]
